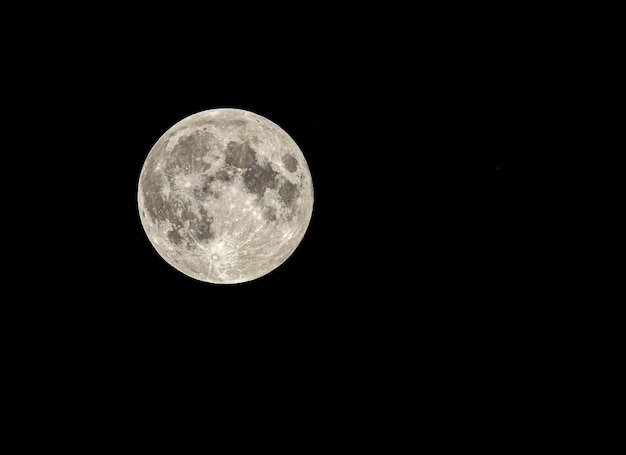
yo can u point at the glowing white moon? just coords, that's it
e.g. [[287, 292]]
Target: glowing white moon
[[225, 196]]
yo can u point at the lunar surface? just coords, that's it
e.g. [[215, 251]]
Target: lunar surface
[[225, 196]]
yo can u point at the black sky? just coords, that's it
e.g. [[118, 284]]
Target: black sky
[[414, 137], [419, 270]]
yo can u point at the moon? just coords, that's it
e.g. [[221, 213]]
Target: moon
[[225, 196]]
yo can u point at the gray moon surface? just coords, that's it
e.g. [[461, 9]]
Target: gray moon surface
[[225, 196]]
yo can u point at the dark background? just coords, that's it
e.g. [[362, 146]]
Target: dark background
[[414, 134], [409, 137], [398, 192], [419, 265]]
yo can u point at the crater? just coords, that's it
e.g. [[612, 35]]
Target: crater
[[223, 175], [291, 164]]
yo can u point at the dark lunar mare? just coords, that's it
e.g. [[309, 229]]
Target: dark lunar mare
[[223, 176], [291, 164], [288, 193], [269, 213], [183, 160], [156, 205], [258, 178], [201, 227], [204, 190], [175, 237], [185, 153], [239, 154]]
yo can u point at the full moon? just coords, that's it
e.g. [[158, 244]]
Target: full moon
[[225, 196]]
